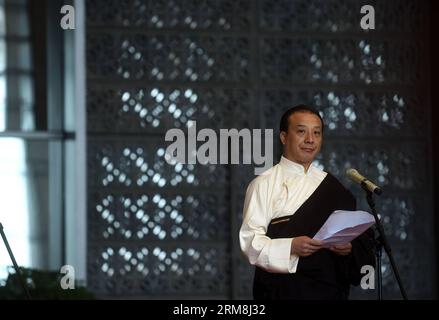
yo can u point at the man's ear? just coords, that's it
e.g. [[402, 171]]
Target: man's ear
[[283, 137]]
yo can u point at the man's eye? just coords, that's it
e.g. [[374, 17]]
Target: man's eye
[[300, 131], [317, 133]]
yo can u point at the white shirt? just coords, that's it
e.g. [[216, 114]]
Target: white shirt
[[277, 192]]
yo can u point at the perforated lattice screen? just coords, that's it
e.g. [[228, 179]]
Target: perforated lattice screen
[[172, 231]]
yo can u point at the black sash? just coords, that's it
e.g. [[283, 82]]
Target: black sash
[[323, 275]]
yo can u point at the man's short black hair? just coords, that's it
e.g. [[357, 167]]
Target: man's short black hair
[[299, 108]]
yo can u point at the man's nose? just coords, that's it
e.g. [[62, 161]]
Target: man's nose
[[309, 138]]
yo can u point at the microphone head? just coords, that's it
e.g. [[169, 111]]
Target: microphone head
[[351, 172], [354, 175]]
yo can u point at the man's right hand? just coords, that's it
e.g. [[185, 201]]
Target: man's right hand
[[305, 246]]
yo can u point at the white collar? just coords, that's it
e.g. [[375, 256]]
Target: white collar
[[292, 166], [296, 168]]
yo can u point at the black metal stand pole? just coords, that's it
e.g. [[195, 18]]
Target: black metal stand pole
[[379, 254], [382, 242], [17, 270]]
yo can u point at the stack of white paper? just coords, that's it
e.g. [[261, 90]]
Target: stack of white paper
[[343, 226]]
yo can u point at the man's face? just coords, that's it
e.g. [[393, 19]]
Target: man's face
[[303, 140]]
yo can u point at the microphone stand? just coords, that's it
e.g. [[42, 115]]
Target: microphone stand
[[17, 270], [381, 241]]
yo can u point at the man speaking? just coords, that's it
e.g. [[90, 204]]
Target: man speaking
[[285, 207]]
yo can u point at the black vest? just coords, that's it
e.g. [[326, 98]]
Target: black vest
[[323, 275]]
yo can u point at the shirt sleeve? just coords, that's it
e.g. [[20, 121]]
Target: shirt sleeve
[[272, 255]]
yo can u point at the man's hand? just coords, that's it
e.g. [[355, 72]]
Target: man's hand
[[305, 246], [342, 250]]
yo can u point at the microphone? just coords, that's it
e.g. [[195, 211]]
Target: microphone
[[355, 176]]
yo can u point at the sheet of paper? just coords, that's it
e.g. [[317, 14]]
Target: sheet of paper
[[344, 226]]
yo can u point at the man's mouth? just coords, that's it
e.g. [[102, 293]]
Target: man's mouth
[[309, 150]]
